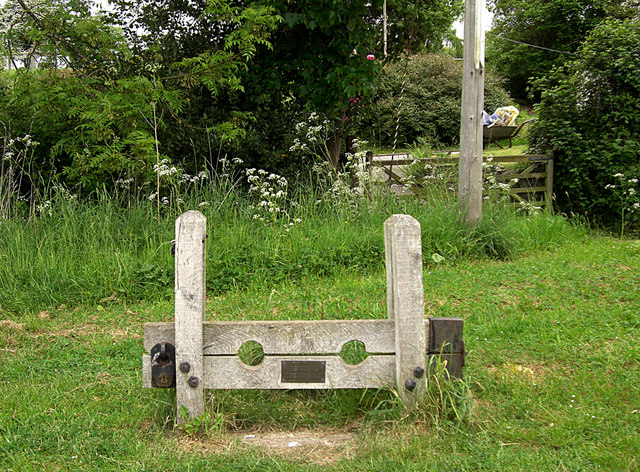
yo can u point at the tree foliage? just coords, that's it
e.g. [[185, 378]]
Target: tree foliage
[[553, 25], [100, 115], [431, 105], [312, 64], [190, 81], [420, 26], [60, 32], [590, 117]]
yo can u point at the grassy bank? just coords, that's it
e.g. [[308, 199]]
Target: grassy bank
[[552, 370], [81, 253]]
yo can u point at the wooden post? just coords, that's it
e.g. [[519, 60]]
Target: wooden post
[[405, 300], [549, 185], [384, 27], [191, 229], [470, 182]]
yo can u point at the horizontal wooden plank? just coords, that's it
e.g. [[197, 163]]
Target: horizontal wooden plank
[[519, 158], [228, 372], [527, 190], [285, 337], [403, 155], [392, 175], [518, 203], [532, 175], [405, 162], [406, 159], [146, 371]]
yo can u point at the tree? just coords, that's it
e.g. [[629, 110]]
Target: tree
[[431, 102], [419, 26], [320, 52], [312, 59], [60, 31], [589, 117], [95, 114], [530, 37]]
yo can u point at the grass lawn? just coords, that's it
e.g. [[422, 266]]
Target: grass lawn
[[553, 375], [493, 150]]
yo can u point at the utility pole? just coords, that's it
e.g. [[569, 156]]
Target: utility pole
[[470, 181], [384, 27]]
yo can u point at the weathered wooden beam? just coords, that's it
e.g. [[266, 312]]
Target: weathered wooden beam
[[382, 161], [423, 160], [191, 233], [531, 175], [549, 189], [471, 132], [405, 299], [520, 158], [517, 190], [229, 372], [285, 337]]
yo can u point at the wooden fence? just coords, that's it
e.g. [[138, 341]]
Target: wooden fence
[[529, 176], [192, 355]]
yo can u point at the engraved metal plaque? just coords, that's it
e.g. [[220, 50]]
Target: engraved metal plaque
[[303, 371]]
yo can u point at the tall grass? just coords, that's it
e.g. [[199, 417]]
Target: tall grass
[[101, 249]]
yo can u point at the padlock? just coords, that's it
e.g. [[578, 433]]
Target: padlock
[[163, 365]]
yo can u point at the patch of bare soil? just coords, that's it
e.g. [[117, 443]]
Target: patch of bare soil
[[11, 325], [318, 447], [520, 372], [88, 330]]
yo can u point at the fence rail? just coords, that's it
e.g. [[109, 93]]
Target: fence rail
[[533, 184]]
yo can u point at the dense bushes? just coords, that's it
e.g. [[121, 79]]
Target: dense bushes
[[431, 102], [590, 117]]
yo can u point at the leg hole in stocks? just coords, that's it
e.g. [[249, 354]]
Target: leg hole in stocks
[[353, 352], [251, 353]]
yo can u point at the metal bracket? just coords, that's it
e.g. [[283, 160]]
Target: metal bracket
[[446, 342], [163, 365]]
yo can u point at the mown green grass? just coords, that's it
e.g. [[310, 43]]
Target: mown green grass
[[553, 374]]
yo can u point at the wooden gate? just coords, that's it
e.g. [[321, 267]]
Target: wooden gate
[[529, 176], [299, 354]]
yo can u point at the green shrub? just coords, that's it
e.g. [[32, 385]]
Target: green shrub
[[431, 104], [589, 117]]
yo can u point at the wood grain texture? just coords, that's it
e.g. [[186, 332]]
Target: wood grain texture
[[518, 190], [333, 336], [146, 371], [228, 372], [471, 132], [549, 186], [404, 257], [530, 175], [191, 229], [299, 337], [285, 337]]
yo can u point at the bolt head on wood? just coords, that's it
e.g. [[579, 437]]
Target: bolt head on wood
[[193, 382], [185, 367], [418, 372], [410, 385]]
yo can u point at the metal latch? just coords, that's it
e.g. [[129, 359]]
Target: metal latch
[[446, 342], [163, 365]]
